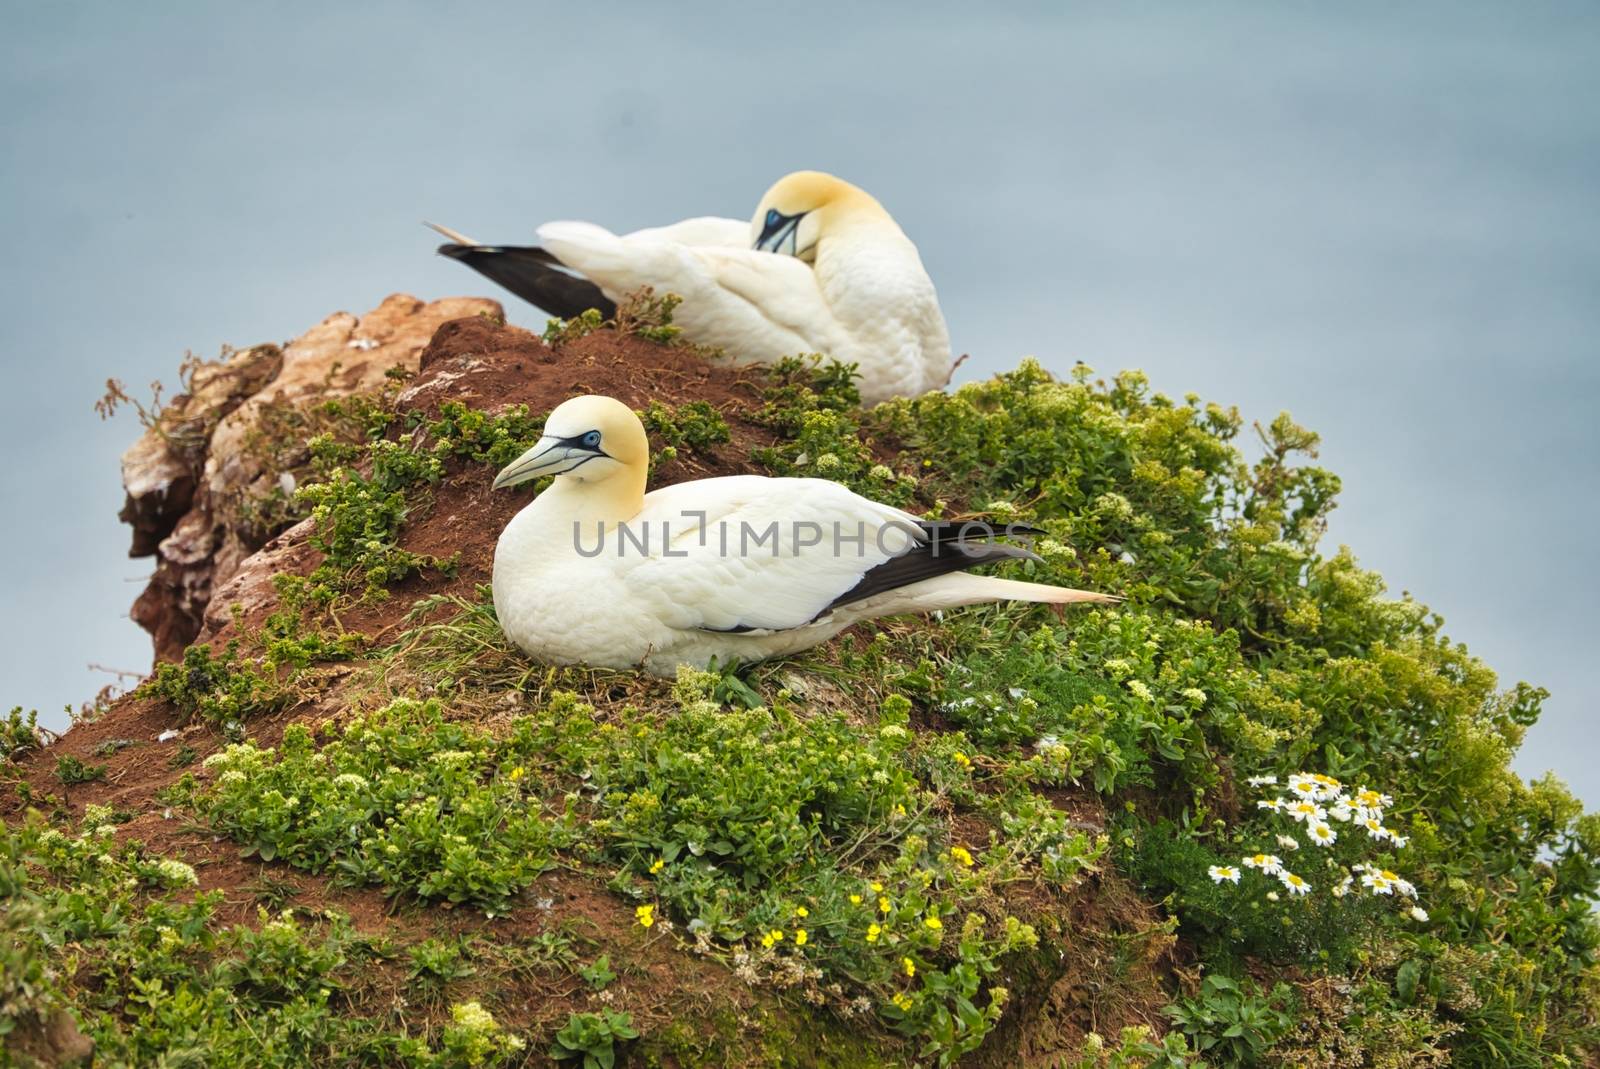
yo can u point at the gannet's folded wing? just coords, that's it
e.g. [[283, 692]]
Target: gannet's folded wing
[[701, 230], [750, 553], [739, 298]]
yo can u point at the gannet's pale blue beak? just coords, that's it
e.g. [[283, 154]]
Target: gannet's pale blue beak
[[551, 456], [779, 232]]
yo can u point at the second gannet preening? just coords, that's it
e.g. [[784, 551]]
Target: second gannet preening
[[820, 268], [740, 568]]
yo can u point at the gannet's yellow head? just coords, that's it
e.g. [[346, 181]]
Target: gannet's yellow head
[[803, 208], [589, 439]]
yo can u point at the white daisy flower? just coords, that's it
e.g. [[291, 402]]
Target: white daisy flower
[[1307, 811], [1419, 914], [1277, 805], [1288, 842], [1342, 810], [1327, 787], [1342, 888], [1404, 886], [1375, 828], [1373, 799], [1268, 864], [1322, 834], [1262, 781], [1377, 883], [1294, 884], [1220, 873]]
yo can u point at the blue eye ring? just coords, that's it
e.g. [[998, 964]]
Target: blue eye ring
[[773, 216], [591, 440]]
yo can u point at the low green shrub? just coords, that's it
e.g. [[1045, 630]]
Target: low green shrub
[[593, 1037], [397, 798]]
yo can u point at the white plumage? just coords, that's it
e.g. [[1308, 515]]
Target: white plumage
[[821, 268], [741, 568]]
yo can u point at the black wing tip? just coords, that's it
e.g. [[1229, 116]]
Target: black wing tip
[[467, 252], [976, 530]]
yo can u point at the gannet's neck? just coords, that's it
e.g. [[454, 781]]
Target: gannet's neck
[[611, 501]]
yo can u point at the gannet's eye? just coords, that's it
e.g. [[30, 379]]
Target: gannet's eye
[[591, 440], [774, 217]]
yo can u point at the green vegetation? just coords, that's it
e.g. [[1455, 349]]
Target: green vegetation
[[410, 783], [228, 689], [1230, 1023], [278, 442], [641, 313], [593, 1037], [156, 978], [495, 440], [358, 514], [694, 427], [71, 770], [812, 404], [902, 846], [19, 733]]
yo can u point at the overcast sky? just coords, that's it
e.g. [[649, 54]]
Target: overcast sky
[[1383, 218]]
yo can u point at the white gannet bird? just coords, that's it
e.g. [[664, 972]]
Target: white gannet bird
[[821, 268], [740, 568]]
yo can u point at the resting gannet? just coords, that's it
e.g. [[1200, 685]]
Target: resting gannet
[[820, 268], [740, 568]]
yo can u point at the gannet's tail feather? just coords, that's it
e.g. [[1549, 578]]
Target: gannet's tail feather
[[976, 588], [531, 273], [955, 589]]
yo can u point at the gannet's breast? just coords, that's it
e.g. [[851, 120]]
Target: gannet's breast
[[874, 283]]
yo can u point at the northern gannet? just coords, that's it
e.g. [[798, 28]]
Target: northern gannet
[[820, 268], [740, 568]]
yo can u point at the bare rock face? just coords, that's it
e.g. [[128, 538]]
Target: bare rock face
[[182, 475]]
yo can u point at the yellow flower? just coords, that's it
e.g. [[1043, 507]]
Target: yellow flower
[[776, 934], [878, 887], [800, 937], [883, 904], [873, 931], [517, 773], [899, 810], [646, 915], [767, 940], [801, 911], [855, 900], [658, 866], [910, 966], [902, 1000], [962, 759], [961, 854], [933, 923]]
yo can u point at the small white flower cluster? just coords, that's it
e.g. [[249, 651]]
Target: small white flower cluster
[[1381, 881], [176, 873], [1317, 801], [473, 1019], [1267, 865], [1314, 800]]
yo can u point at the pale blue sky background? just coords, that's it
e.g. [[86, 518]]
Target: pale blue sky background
[[1384, 218]]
